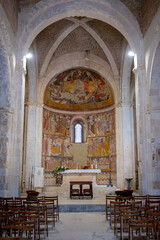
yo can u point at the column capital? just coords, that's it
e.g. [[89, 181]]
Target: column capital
[[139, 68], [34, 104], [20, 69], [124, 104]]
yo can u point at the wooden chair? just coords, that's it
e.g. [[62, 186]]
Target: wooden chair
[[31, 216], [21, 199], [43, 221], [17, 228], [108, 199], [156, 217], [135, 204], [10, 238], [158, 230], [155, 203], [117, 216], [56, 205], [144, 209], [112, 210], [125, 217], [50, 206], [138, 229], [141, 198]]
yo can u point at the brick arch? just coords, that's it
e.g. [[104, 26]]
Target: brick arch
[[47, 12]]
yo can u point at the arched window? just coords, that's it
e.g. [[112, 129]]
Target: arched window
[[78, 132]]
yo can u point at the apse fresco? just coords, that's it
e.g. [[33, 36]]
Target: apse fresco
[[101, 140], [78, 89], [101, 124]]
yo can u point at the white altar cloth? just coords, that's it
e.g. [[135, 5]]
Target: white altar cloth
[[82, 171], [80, 175]]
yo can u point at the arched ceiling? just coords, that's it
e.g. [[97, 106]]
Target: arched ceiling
[[78, 90], [80, 35], [92, 37]]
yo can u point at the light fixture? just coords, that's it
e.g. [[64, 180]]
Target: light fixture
[[131, 54], [86, 55], [29, 55]]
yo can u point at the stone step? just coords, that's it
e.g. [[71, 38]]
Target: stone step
[[82, 208]]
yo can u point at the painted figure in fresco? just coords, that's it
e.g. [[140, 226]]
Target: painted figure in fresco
[[45, 145], [56, 148], [98, 126], [46, 120], [67, 147], [91, 126], [102, 91], [68, 121], [103, 147], [53, 123], [104, 127], [49, 146], [93, 147]]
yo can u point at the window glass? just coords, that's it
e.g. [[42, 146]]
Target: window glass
[[78, 133]]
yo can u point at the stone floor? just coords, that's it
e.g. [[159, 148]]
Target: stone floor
[[82, 226]]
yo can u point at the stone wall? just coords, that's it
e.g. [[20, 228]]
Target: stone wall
[[149, 9], [98, 151], [11, 11], [155, 121]]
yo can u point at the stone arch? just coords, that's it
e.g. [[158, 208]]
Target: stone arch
[[151, 41], [72, 61], [83, 24], [152, 51], [113, 13], [127, 64]]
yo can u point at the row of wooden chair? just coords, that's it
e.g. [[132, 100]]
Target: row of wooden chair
[[19, 216], [147, 200], [134, 216]]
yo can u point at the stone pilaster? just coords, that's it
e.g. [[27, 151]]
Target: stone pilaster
[[33, 141], [119, 147], [16, 167], [143, 133]]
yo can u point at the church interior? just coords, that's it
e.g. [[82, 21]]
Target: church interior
[[79, 115], [79, 90]]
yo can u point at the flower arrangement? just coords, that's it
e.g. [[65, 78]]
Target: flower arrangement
[[59, 169]]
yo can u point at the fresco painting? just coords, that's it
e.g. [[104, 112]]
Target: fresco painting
[[98, 146], [101, 124], [101, 139], [67, 146], [78, 89]]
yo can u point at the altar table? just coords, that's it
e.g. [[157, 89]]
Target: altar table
[[73, 175]]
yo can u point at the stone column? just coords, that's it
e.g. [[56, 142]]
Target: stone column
[[33, 141], [18, 120], [119, 147], [143, 133], [33, 134], [124, 144], [128, 142], [6, 117]]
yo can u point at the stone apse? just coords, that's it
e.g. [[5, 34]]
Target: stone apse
[[79, 94]]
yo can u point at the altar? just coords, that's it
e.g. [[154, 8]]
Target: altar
[[80, 175]]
